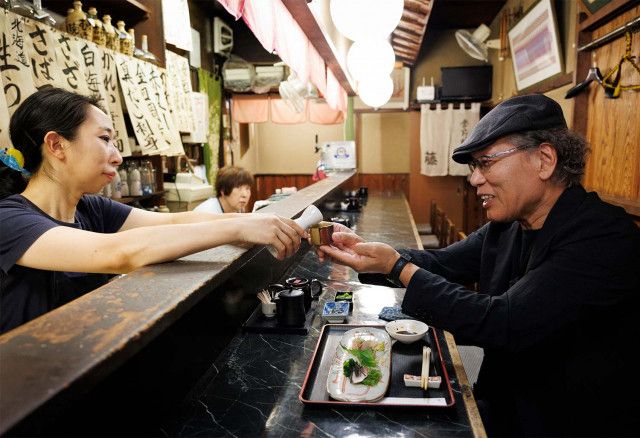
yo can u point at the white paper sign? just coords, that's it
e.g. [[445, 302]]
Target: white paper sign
[[114, 105], [200, 108], [176, 23]]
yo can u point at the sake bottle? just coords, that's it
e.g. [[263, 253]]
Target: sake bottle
[[99, 36], [110, 35], [124, 44], [77, 23]]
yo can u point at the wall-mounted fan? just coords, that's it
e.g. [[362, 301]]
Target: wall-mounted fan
[[475, 44]]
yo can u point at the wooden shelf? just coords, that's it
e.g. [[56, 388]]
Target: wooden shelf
[[131, 11], [605, 14], [132, 199]]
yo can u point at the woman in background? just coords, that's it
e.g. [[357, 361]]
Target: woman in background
[[233, 189], [59, 241]]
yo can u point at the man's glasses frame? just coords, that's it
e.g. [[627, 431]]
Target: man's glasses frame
[[484, 162]]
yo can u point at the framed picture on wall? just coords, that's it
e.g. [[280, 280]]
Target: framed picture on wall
[[400, 97], [534, 44]]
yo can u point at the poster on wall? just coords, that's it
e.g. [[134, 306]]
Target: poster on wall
[[200, 109], [176, 23], [534, 46]]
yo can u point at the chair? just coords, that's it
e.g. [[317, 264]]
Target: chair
[[460, 235], [424, 229], [445, 232], [432, 241]]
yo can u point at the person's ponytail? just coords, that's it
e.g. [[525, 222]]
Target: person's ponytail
[[11, 181]]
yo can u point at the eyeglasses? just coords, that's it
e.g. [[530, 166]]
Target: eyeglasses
[[484, 162]]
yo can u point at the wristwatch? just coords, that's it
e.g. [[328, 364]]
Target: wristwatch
[[394, 275]]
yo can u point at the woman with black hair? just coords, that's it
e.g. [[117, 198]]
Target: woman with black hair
[[233, 189], [58, 241]]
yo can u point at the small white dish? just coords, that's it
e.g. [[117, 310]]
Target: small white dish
[[406, 330]]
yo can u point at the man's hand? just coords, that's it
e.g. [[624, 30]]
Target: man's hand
[[281, 233], [351, 250]]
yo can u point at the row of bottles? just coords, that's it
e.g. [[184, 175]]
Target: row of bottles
[[134, 178], [88, 26]]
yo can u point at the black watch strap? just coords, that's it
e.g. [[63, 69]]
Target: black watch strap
[[394, 275]]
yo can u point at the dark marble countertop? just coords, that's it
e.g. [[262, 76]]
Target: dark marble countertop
[[253, 387]]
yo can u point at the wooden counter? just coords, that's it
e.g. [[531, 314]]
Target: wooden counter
[[64, 353]]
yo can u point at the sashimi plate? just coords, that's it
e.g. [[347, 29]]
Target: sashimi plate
[[370, 349]]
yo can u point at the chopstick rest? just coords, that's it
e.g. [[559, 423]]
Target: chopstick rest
[[416, 381]]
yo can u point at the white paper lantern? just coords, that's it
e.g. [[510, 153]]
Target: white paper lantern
[[375, 91], [362, 19], [370, 57]]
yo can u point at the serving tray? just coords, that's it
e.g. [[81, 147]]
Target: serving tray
[[405, 359]]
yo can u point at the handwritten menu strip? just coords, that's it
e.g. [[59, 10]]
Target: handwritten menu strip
[[178, 85], [15, 68], [112, 88], [33, 55], [145, 126], [40, 48], [5, 141], [176, 24]]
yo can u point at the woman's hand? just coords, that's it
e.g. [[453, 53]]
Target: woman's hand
[[351, 250], [267, 229]]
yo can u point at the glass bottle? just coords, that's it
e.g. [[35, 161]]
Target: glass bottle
[[42, 16], [77, 23], [148, 56], [124, 184], [22, 7], [145, 177], [124, 44], [135, 184], [137, 52], [111, 37], [99, 36], [132, 37], [116, 186]]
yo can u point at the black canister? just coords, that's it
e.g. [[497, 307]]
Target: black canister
[[290, 308], [303, 284]]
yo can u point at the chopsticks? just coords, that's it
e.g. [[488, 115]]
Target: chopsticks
[[424, 376], [264, 296]]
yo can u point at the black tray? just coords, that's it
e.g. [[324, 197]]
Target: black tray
[[258, 323], [405, 359]]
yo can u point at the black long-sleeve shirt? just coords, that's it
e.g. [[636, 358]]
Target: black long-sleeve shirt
[[560, 334]]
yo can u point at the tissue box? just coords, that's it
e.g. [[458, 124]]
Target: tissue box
[[335, 312]]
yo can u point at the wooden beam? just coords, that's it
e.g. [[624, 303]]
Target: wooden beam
[[406, 25], [408, 35], [408, 15], [403, 51], [307, 22], [405, 43], [422, 6]]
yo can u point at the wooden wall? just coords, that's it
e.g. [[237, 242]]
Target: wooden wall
[[612, 126]]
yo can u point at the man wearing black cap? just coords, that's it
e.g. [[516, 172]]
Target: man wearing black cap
[[557, 310]]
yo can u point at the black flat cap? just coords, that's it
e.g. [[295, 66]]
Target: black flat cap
[[518, 114]]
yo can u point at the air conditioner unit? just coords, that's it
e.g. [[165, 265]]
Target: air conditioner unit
[[222, 37], [270, 73]]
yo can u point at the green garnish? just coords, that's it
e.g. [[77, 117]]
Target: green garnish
[[373, 377], [344, 296], [366, 357], [348, 366]]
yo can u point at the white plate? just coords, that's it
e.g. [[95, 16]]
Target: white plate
[[340, 387]]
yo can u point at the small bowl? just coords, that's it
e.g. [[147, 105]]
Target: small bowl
[[335, 311], [406, 330]]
